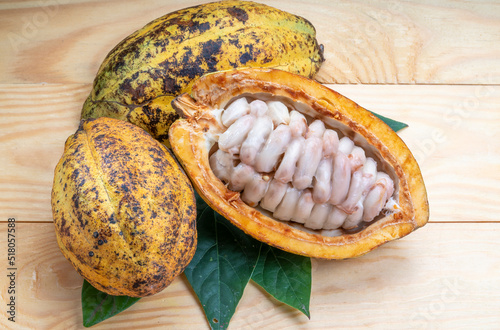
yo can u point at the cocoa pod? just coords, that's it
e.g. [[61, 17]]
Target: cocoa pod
[[211, 147], [123, 209], [143, 73]]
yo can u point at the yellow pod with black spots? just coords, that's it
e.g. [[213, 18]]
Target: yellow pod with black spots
[[123, 209], [142, 74]]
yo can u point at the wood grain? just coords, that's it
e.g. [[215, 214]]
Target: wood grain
[[448, 42], [435, 278], [35, 120], [443, 42]]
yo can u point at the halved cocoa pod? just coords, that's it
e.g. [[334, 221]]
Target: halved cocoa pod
[[296, 165]]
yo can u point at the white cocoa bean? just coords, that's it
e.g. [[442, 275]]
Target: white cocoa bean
[[308, 162], [361, 182], [298, 123], [274, 147], [354, 219], [318, 216], [304, 207], [222, 164], [240, 176], [286, 169], [255, 189], [346, 145], [357, 158], [322, 186], [316, 129], [377, 197], [234, 136], [255, 139], [330, 143], [274, 195], [258, 108], [335, 219], [278, 112], [235, 110], [341, 178], [286, 208]]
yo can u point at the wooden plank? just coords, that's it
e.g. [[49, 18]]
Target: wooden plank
[[35, 120], [438, 277], [408, 41], [449, 42], [454, 133]]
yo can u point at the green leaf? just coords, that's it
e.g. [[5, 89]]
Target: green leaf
[[98, 306], [222, 265], [286, 276], [394, 124]]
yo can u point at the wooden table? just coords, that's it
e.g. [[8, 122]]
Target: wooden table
[[433, 66]]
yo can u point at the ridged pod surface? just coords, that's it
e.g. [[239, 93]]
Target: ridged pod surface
[[196, 137], [142, 74], [124, 211]]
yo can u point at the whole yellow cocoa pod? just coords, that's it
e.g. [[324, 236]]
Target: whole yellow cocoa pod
[[124, 212], [140, 77]]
